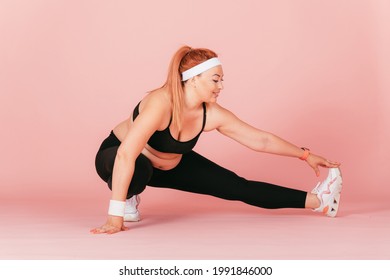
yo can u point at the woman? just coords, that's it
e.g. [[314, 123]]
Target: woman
[[154, 147]]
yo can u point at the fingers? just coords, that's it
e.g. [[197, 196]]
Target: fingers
[[113, 230], [124, 228], [317, 171], [108, 229], [316, 161], [103, 230], [331, 164], [97, 231]]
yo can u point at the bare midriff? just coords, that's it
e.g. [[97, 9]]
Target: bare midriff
[[163, 161]]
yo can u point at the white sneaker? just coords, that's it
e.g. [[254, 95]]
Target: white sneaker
[[131, 209], [328, 192]]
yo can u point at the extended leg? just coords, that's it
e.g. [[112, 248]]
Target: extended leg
[[199, 175]]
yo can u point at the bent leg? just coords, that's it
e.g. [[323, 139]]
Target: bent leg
[[199, 175], [104, 163], [142, 173]]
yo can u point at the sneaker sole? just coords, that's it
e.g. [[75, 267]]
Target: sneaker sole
[[132, 217], [332, 209]]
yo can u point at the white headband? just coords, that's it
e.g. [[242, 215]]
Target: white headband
[[200, 68]]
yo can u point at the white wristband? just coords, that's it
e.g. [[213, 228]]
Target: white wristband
[[117, 208]]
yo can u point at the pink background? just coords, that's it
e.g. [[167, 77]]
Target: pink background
[[313, 72]]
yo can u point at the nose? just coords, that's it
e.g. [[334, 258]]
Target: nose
[[220, 85]]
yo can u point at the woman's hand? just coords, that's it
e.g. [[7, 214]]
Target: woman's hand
[[315, 161], [114, 224]]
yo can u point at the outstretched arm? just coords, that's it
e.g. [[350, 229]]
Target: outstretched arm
[[230, 125]]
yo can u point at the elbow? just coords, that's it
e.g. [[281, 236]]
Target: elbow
[[264, 143], [124, 161], [122, 155], [258, 143]]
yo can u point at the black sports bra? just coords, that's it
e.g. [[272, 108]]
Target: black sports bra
[[163, 141]]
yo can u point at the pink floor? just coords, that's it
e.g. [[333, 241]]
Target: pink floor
[[196, 227]]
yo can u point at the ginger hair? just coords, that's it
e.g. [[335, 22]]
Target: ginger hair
[[184, 59]]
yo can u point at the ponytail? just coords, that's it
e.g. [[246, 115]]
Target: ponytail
[[184, 59]]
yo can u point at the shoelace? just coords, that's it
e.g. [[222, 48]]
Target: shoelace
[[315, 190]]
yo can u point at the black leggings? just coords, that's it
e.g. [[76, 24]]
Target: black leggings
[[197, 174]]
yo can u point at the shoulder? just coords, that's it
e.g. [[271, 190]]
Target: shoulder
[[215, 109], [217, 115], [157, 100], [155, 108]]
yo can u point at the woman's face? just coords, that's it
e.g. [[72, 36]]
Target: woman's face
[[209, 84]]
